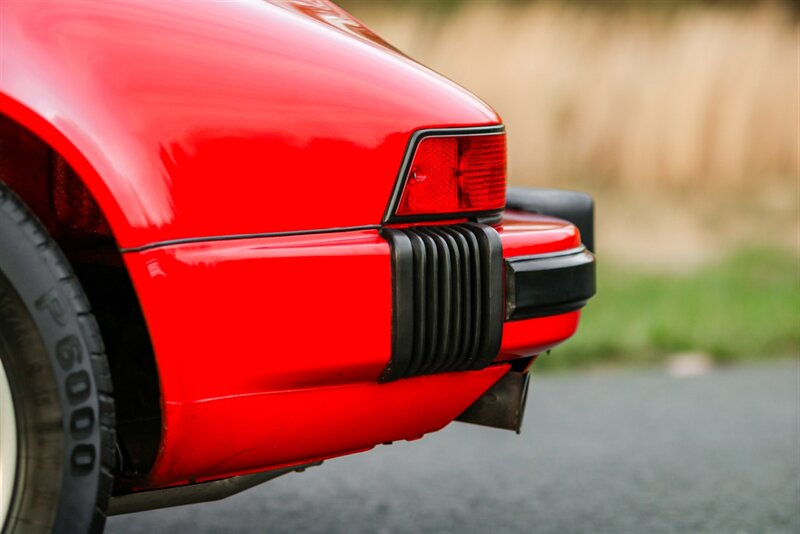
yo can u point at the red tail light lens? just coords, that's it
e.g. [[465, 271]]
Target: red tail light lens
[[454, 175]]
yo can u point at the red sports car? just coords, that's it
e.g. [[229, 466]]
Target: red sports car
[[240, 238]]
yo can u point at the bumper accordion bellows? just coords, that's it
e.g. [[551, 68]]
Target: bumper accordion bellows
[[448, 299]]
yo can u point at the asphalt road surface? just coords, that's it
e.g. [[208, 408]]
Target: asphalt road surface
[[621, 452]]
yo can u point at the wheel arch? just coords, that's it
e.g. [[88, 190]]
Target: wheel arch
[[28, 119], [95, 256]]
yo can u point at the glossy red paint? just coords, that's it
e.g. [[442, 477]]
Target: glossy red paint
[[237, 325], [240, 434], [288, 310], [525, 234], [221, 118], [534, 336]]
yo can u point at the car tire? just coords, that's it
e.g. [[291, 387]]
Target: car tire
[[57, 443]]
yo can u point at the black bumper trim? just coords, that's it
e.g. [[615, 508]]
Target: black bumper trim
[[549, 284], [447, 294]]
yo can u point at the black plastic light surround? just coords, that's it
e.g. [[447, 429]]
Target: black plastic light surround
[[390, 216], [549, 284], [448, 303]]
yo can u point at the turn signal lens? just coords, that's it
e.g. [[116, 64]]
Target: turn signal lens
[[453, 175]]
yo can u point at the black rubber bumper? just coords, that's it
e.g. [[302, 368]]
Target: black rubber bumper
[[549, 284]]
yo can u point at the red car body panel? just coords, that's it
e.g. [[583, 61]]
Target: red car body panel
[[245, 433], [200, 125], [239, 325], [203, 129]]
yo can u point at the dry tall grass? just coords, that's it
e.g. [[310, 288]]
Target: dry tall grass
[[707, 96]]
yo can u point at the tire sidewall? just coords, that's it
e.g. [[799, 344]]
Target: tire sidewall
[[52, 380]]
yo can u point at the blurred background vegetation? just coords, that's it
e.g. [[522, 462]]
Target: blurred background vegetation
[[682, 118]]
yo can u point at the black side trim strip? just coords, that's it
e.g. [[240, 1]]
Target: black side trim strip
[[549, 284], [389, 215], [189, 240]]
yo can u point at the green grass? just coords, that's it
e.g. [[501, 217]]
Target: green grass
[[744, 308]]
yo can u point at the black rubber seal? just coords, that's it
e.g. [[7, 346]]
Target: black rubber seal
[[447, 299], [402, 307]]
